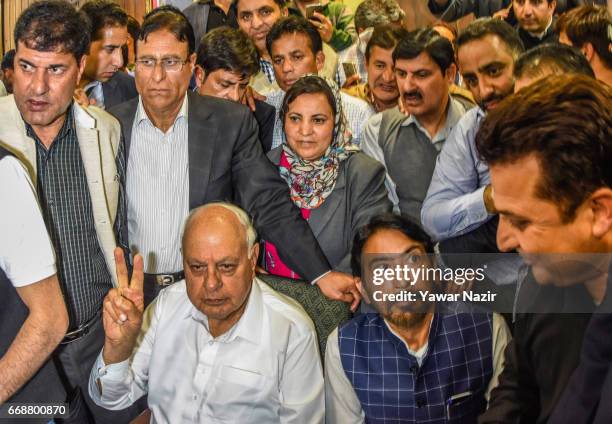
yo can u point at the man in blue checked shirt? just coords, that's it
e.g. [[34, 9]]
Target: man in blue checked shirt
[[459, 199], [412, 362]]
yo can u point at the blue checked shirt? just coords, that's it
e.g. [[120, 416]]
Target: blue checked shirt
[[267, 69]]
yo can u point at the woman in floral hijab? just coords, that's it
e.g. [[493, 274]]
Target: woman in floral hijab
[[337, 187]]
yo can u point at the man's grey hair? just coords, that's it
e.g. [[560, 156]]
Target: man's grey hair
[[241, 215], [371, 13]]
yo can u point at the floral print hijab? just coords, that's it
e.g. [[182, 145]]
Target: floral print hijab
[[311, 182]]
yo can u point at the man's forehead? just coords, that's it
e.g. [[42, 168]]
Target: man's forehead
[[483, 51], [162, 38], [37, 57], [112, 33], [295, 42], [253, 5], [422, 61], [229, 76]]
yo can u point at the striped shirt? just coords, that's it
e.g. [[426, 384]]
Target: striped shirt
[[357, 113], [68, 213], [158, 191]]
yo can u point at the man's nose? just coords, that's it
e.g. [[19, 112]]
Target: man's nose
[[506, 239]]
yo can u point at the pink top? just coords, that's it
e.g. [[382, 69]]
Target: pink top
[[274, 264]]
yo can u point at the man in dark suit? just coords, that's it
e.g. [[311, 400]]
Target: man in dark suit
[[553, 190], [184, 150], [225, 62], [103, 83]]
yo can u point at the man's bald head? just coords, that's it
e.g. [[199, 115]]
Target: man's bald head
[[221, 215], [219, 258]]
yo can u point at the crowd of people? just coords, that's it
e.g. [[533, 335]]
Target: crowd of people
[[153, 172]]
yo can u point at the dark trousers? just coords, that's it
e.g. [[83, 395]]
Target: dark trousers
[[150, 290], [75, 361]]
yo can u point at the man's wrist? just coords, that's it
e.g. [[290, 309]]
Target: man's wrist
[[114, 353]]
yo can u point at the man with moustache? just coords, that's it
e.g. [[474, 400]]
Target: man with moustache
[[102, 81], [184, 150], [75, 160], [553, 190], [410, 362], [408, 142], [459, 197]]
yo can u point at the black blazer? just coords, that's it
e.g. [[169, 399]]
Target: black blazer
[[265, 116], [120, 88], [588, 392], [543, 354], [227, 163]]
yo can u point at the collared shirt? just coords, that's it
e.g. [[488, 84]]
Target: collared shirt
[[454, 204], [158, 191], [371, 146], [357, 113], [355, 54], [268, 70], [341, 402], [94, 92], [265, 369], [67, 210]]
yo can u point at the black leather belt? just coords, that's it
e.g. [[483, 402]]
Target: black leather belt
[[164, 280], [82, 330]]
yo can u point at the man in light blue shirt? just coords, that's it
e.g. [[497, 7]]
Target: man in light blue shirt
[[459, 199]]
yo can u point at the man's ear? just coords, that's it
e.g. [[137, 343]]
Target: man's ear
[[362, 291], [320, 59], [285, 12], [254, 256], [601, 207], [82, 63], [553, 5], [451, 73], [199, 76], [588, 51]]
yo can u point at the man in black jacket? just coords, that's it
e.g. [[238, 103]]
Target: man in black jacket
[[226, 60], [184, 150], [553, 190]]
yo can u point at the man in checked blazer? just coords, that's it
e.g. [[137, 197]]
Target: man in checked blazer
[[184, 150]]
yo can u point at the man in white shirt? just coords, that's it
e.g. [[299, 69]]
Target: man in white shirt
[[33, 317], [296, 50], [218, 346]]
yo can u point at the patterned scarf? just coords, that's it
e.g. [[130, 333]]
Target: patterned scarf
[[310, 182]]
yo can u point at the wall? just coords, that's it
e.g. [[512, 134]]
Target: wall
[[11, 9]]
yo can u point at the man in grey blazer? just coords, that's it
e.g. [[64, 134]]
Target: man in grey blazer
[[184, 150]]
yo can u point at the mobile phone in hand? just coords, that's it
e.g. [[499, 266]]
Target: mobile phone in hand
[[312, 8]]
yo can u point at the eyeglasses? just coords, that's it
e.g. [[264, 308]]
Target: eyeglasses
[[168, 64]]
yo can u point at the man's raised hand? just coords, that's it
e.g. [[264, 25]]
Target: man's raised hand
[[123, 311]]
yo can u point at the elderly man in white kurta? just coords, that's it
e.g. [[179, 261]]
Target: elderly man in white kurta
[[220, 346]]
